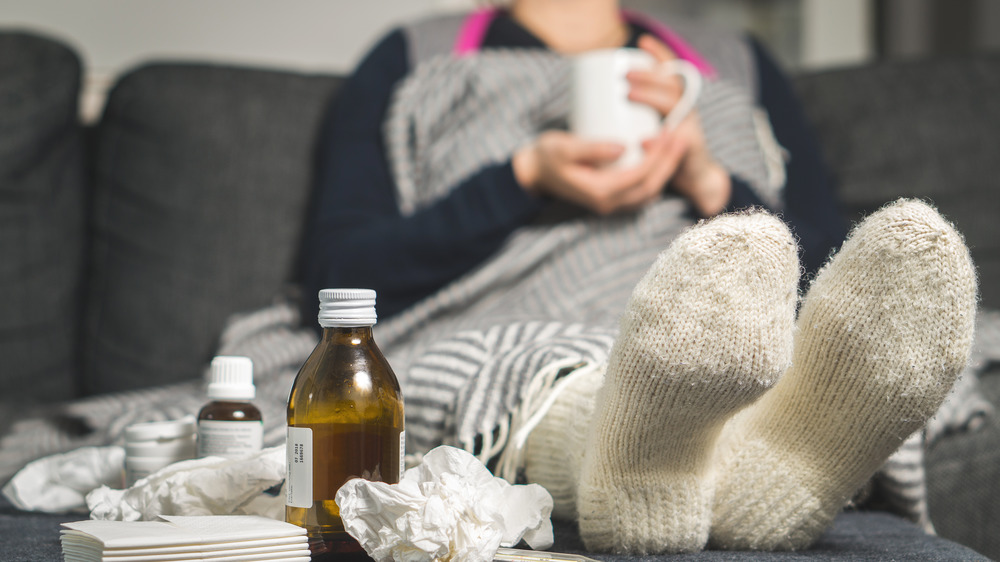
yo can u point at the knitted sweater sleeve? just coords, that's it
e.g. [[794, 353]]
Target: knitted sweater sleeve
[[811, 208], [356, 236]]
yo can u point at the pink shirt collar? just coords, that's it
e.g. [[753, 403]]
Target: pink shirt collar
[[473, 31]]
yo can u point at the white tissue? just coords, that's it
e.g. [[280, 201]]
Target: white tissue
[[449, 508], [208, 486], [59, 483]]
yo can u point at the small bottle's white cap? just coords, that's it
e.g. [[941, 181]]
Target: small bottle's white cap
[[161, 430], [343, 308], [231, 378]]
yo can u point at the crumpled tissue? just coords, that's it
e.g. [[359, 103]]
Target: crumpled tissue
[[449, 508], [60, 483], [206, 486]]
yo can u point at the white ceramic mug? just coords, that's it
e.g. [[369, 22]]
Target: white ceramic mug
[[600, 108]]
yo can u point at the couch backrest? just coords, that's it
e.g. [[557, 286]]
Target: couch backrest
[[202, 176], [924, 128]]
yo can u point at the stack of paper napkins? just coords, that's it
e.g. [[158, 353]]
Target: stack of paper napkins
[[204, 537]]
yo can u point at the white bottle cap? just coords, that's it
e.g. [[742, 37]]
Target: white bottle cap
[[161, 430], [231, 378], [344, 308]]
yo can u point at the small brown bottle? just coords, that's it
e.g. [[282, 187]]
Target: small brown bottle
[[230, 426], [345, 420]]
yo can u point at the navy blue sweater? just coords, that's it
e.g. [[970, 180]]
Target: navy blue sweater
[[356, 236]]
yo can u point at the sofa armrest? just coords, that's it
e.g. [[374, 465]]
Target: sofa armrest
[[43, 195]]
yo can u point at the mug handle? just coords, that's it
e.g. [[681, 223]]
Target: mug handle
[[692, 89]]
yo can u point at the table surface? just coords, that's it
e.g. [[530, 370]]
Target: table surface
[[30, 536]]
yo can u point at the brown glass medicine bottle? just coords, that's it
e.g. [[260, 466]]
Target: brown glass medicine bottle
[[345, 420], [230, 426]]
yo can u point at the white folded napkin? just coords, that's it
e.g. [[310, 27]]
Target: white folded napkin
[[206, 537]]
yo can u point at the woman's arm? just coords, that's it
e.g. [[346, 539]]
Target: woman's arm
[[356, 235], [811, 208]]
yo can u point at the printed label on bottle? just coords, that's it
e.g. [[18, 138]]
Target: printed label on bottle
[[229, 439], [402, 454], [299, 467]]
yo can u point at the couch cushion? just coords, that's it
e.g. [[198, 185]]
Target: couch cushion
[[42, 231], [854, 536], [963, 480], [926, 129], [202, 174]]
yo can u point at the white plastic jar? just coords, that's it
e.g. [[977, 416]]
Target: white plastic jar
[[153, 445]]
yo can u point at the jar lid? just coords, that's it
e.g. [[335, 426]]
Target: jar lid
[[160, 430], [231, 378], [346, 308]]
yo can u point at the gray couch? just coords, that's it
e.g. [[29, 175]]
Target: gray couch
[[125, 246]]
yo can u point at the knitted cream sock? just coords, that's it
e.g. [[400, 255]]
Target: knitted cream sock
[[553, 453], [884, 330], [705, 333]]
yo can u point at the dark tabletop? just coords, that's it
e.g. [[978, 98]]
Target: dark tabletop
[[30, 537]]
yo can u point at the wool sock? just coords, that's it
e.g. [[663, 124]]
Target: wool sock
[[554, 452], [705, 333], [883, 332]]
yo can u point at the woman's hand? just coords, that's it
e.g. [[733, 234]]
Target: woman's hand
[[561, 165], [564, 166], [680, 156]]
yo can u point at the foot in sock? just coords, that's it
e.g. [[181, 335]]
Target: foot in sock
[[705, 333], [884, 330]]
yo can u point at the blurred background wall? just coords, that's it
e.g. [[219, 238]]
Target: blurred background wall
[[916, 28], [331, 35]]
